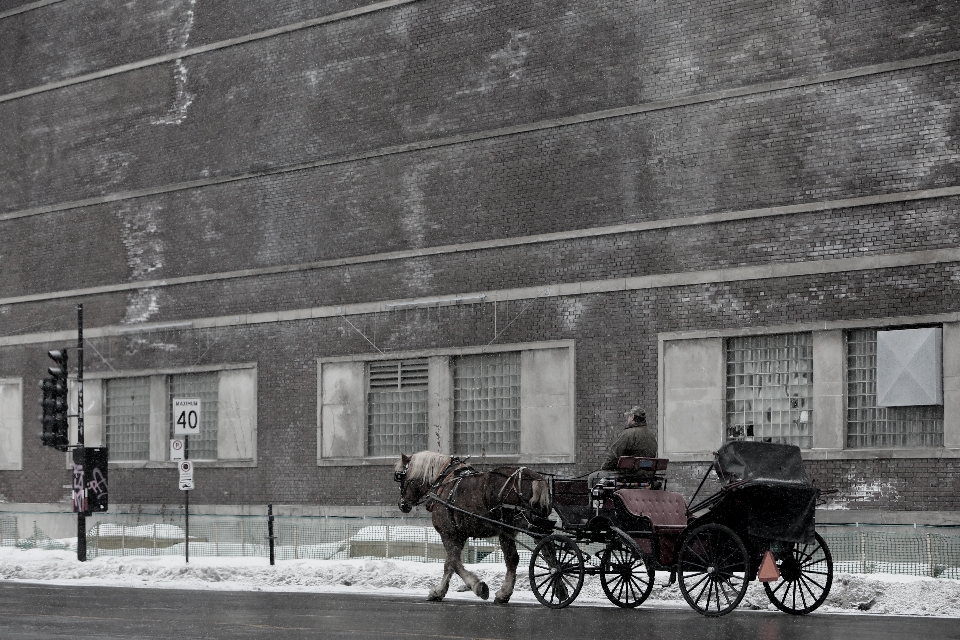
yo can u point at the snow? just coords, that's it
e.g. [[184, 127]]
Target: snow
[[864, 594]]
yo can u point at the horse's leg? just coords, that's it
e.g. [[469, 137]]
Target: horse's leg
[[508, 544], [475, 584], [454, 564], [453, 547]]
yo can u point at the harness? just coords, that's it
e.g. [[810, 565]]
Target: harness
[[454, 473]]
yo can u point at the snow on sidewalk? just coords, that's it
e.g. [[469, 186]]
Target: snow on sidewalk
[[851, 593]]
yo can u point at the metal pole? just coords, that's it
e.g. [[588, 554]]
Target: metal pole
[[81, 513], [270, 531], [186, 501]]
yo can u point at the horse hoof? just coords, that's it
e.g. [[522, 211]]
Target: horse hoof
[[433, 596], [482, 590], [502, 600]]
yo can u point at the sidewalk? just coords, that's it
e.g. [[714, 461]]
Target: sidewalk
[[851, 593]]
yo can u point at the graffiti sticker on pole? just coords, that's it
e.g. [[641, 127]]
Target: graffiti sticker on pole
[[186, 416]]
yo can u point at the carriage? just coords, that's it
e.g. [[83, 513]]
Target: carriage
[[758, 526]]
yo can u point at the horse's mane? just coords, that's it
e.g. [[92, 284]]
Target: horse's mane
[[425, 465]]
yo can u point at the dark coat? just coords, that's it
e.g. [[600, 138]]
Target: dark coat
[[633, 441]]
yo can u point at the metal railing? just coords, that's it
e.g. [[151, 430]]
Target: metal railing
[[920, 550]]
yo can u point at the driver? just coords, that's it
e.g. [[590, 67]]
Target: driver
[[636, 439]]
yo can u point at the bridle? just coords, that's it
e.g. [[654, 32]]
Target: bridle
[[401, 478]]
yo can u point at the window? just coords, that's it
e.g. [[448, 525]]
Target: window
[[127, 418], [511, 401], [397, 407], [204, 386], [840, 390], [770, 388], [486, 405], [11, 424], [870, 425], [134, 418]]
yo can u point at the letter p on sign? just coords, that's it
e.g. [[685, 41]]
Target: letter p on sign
[[186, 416]]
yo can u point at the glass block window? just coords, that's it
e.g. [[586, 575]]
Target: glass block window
[[127, 418], [397, 407], [770, 388], [206, 386], [486, 404], [871, 426]]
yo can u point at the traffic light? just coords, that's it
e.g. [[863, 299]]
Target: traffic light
[[54, 403]]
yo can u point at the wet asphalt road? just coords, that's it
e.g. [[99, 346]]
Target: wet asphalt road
[[35, 612]]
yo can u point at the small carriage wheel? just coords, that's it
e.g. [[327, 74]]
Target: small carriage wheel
[[712, 569], [625, 577], [806, 574], [556, 571]]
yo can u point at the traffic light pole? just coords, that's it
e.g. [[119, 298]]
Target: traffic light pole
[[81, 513]]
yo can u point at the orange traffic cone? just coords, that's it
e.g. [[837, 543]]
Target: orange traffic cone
[[768, 568]]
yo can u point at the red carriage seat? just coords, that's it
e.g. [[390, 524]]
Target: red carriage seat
[[667, 512]]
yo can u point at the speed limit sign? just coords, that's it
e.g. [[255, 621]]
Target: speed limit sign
[[186, 416]]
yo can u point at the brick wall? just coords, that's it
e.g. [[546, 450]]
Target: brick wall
[[347, 92], [616, 367]]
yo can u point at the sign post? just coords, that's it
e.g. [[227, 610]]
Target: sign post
[[186, 421]]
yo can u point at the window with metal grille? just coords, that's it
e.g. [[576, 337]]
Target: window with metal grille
[[127, 418], [486, 404], [397, 407], [206, 386], [769, 388], [871, 426]]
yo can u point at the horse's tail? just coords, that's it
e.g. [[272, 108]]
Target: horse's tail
[[540, 498]]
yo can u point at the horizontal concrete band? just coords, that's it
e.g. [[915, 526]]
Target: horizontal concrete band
[[594, 232], [192, 51], [27, 7], [738, 274], [542, 125]]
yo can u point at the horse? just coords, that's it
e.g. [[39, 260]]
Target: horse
[[510, 495]]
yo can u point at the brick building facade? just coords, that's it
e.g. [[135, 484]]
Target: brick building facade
[[550, 211]]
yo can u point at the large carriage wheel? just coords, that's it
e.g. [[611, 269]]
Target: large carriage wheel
[[712, 569], [556, 571], [806, 574], [625, 577]]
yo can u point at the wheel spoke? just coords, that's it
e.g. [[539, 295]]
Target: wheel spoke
[[540, 585], [699, 582], [805, 578], [696, 552], [711, 585], [806, 587], [623, 591], [709, 590], [782, 584]]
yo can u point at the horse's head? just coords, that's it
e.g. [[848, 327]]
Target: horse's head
[[411, 490], [415, 474]]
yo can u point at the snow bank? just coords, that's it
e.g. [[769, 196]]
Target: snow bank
[[862, 594]]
